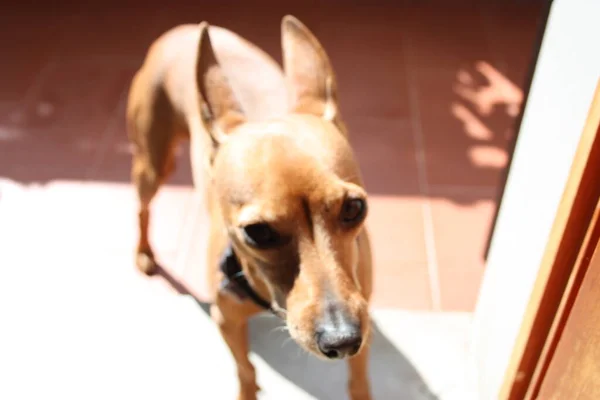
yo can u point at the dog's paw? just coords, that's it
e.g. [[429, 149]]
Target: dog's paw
[[146, 264]]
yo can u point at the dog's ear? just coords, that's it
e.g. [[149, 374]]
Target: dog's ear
[[309, 72], [220, 110]]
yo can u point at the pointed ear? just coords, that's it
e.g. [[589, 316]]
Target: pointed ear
[[308, 72], [220, 110]]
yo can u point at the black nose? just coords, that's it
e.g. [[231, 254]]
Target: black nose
[[340, 341]]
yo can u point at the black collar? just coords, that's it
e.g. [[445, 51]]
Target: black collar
[[236, 282]]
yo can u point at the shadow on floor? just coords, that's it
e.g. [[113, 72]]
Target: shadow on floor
[[392, 375]]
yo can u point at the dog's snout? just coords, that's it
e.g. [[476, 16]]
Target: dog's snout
[[339, 336]]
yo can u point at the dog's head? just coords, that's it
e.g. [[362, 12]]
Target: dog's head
[[291, 195]]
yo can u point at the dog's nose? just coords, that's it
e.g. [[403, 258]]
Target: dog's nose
[[339, 342]]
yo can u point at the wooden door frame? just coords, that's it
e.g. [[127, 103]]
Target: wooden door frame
[[573, 237]]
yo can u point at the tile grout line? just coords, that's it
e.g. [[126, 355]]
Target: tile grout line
[[463, 189], [417, 132]]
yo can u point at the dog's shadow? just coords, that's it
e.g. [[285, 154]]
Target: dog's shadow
[[392, 375]]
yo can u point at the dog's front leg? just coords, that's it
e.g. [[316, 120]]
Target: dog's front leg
[[235, 334], [358, 384]]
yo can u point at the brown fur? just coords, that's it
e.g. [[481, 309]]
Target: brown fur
[[289, 165]]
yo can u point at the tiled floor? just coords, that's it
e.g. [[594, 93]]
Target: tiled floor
[[429, 94]]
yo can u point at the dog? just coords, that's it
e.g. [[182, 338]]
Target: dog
[[283, 190]]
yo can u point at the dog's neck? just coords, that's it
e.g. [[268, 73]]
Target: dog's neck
[[236, 282]]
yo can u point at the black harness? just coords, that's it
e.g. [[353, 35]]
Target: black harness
[[235, 280]]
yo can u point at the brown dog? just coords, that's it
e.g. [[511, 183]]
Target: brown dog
[[284, 192]]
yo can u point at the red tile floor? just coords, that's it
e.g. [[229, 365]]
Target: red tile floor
[[429, 94]]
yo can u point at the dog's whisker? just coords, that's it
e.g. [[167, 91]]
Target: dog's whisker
[[286, 341], [281, 328], [302, 352]]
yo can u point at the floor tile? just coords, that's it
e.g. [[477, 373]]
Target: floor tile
[[36, 160], [26, 57], [76, 99], [466, 105], [370, 63], [9, 116], [460, 233], [386, 155], [511, 31], [444, 36], [85, 37], [59, 132], [401, 285], [399, 260], [456, 132], [459, 287], [396, 227]]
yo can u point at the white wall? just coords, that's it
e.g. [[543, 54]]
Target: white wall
[[566, 75]]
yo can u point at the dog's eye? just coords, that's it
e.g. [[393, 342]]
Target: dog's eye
[[353, 210], [261, 235]]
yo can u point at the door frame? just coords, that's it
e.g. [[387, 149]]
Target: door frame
[[562, 89], [572, 240]]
